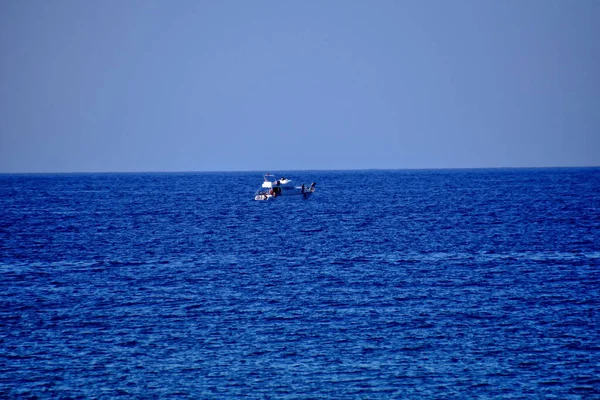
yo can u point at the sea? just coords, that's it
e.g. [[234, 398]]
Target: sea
[[436, 284]]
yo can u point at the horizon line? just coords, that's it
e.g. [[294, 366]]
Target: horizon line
[[292, 170]]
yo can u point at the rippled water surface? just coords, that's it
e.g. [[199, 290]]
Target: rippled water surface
[[384, 284]]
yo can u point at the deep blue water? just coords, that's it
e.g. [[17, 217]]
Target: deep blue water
[[384, 284]]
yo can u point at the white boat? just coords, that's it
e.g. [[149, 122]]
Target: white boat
[[272, 188]]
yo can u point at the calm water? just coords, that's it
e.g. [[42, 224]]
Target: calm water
[[384, 284]]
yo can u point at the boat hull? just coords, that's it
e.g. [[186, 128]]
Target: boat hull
[[267, 196]]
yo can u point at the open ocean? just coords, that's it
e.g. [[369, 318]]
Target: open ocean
[[383, 284]]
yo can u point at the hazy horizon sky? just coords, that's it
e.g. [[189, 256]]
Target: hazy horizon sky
[[107, 86]]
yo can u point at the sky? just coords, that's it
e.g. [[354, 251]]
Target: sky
[[207, 85]]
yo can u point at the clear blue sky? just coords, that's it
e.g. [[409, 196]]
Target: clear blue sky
[[280, 85]]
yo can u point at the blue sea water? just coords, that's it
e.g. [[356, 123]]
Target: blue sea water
[[383, 284]]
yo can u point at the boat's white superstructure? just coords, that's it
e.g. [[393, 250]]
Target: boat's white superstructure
[[272, 188]]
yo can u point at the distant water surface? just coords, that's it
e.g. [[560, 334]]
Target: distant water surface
[[384, 284]]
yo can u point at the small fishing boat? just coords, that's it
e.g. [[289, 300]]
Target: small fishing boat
[[273, 188]]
